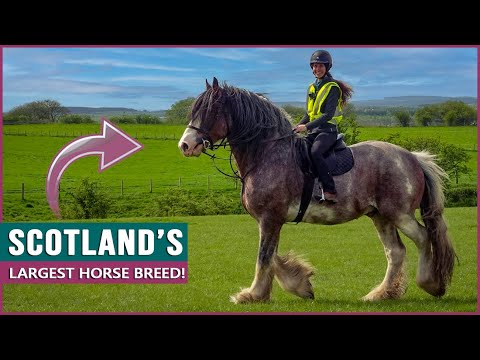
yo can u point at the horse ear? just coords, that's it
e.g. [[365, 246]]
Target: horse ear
[[208, 85], [215, 83]]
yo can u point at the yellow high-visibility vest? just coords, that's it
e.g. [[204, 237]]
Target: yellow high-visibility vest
[[314, 104]]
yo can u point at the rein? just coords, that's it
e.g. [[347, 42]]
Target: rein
[[207, 142]]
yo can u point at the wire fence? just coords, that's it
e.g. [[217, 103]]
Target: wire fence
[[73, 133], [125, 187]]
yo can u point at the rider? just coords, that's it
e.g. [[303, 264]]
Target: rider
[[325, 99]]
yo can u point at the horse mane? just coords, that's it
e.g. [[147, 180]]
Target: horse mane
[[253, 118]]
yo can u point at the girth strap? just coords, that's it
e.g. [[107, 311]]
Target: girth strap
[[308, 184]]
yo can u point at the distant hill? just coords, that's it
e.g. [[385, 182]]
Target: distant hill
[[111, 111], [407, 101]]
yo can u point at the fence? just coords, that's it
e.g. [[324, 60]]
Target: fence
[[123, 187], [75, 134]]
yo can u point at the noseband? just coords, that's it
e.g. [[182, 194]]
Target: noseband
[[206, 140]]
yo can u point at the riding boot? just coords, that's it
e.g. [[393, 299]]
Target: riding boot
[[328, 185]]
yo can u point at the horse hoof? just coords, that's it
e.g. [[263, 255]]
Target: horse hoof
[[308, 293], [309, 296], [376, 295], [245, 297]]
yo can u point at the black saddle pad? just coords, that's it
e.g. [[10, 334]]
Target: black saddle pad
[[340, 161]]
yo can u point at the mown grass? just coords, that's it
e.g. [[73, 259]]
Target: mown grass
[[26, 160], [349, 262]]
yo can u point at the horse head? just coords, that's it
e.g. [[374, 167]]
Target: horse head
[[208, 121]]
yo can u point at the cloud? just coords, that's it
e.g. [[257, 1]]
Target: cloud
[[221, 53], [123, 64]]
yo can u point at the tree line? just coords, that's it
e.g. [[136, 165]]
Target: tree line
[[449, 113], [51, 111]]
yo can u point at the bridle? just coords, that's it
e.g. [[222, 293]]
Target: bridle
[[206, 140]]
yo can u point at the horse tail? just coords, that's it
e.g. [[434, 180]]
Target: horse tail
[[431, 210]]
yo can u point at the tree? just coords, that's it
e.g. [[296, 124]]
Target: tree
[[453, 160], [295, 112], [53, 109], [349, 126], [457, 113], [403, 117], [426, 115], [38, 111], [178, 112]]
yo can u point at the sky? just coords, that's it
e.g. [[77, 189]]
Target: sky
[[154, 78]]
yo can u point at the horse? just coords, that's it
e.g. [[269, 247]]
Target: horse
[[387, 183]]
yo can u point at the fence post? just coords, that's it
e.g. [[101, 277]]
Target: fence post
[[23, 191], [151, 186], [121, 188], [208, 182]]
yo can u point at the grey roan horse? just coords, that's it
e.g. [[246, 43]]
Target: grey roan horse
[[387, 184]]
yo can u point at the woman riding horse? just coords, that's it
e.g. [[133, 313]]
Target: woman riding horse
[[387, 183], [325, 99]]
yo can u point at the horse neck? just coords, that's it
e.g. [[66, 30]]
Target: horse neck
[[242, 159], [247, 160]]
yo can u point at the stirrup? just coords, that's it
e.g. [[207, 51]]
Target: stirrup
[[321, 197]]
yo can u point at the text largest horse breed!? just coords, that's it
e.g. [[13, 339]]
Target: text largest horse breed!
[[387, 183]]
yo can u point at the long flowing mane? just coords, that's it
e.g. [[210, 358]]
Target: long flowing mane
[[251, 118]]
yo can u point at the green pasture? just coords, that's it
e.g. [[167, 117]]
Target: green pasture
[[29, 149], [140, 131], [348, 258], [465, 137]]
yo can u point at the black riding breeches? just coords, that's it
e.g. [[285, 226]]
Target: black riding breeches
[[320, 144]]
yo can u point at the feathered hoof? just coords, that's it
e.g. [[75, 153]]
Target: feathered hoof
[[306, 292], [433, 288], [373, 297], [309, 295], [245, 297], [381, 293]]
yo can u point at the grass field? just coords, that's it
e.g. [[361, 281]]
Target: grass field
[[465, 137], [222, 250], [349, 261], [29, 150]]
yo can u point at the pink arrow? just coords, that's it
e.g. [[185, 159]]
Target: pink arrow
[[112, 145]]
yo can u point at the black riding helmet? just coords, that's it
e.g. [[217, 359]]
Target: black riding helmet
[[321, 56]]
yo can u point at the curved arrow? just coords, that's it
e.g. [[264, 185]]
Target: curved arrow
[[112, 145]]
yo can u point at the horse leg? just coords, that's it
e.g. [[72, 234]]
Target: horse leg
[[409, 225], [261, 287], [393, 285], [293, 273]]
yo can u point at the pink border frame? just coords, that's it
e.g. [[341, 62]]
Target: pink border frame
[[232, 46]]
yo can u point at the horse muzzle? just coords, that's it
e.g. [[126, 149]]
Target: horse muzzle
[[191, 144]]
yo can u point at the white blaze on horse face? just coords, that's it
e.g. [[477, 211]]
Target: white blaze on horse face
[[188, 144]]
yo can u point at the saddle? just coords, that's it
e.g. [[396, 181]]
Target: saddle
[[339, 159]]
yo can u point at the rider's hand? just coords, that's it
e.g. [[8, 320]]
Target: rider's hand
[[300, 128]]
